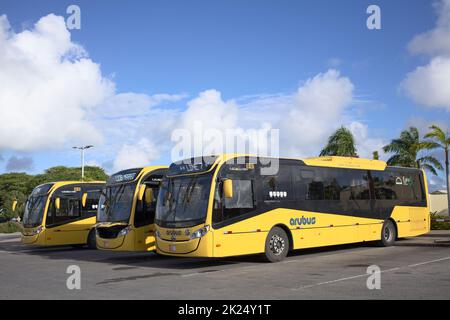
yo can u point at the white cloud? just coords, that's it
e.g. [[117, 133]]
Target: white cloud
[[365, 144], [53, 96], [210, 110], [437, 40], [305, 118], [48, 86], [136, 155], [317, 110], [428, 85]]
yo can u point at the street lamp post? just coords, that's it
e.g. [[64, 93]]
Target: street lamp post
[[82, 158]]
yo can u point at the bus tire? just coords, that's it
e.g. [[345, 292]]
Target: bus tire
[[91, 240], [388, 234], [277, 245]]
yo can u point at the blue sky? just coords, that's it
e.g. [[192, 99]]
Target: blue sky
[[241, 48]]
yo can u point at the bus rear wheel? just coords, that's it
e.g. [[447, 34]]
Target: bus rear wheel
[[92, 241], [277, 245], [388, 234]]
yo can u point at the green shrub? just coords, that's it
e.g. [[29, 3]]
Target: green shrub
[[10, 227], [436, 225]]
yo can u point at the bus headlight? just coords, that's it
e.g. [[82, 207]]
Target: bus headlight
[[38, 230], [200, 232], [124, 231]]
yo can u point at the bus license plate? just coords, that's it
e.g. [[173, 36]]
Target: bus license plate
[[106, 244], [172, 248]]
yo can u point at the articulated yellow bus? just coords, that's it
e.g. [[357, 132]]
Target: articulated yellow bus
[[232, 205], [61, 213], [126, 213]]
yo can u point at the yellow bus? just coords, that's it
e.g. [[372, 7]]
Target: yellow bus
[[61, 213], [126, 213], [231, 205]]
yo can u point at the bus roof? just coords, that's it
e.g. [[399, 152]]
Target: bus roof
[[52, 186], [132, 174], [346, 162], [327, 161]]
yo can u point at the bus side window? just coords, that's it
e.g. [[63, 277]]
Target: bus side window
[[242, 195], [384, 186], [279, 187], [315, 184], [90, 209], [242, 201], [69, 210]]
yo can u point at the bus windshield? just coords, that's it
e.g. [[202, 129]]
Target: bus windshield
[[34, 211], [183, 201], [115, 203]]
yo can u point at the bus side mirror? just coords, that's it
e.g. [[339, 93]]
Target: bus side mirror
[[149, 197], [14, 205], [57, 203], [141, 192], [83, 199], [228, 188]]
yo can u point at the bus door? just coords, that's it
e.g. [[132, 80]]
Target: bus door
[[144, 216]]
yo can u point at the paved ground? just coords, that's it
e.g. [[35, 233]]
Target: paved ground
[[414, 269]]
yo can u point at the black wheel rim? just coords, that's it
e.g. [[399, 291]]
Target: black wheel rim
[[387, 233], [277, 244]]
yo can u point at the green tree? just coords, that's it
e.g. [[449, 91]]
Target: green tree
[[61, 173], [407, 149], [375, 155], [340, 143], [438, 139], [13, 186]]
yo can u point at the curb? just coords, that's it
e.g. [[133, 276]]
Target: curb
[[421, 242]]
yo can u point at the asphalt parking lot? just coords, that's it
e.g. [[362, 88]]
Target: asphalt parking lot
[[408, 271]]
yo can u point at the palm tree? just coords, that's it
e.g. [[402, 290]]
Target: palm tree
[[440, 140], [406, 151], [340, 143]]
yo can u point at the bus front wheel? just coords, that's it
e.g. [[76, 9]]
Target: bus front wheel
[[388, 234], [277, 245], [92, 241]]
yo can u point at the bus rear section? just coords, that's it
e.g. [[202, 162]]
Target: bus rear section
[[234, 209], [126, 213], [62, 213]]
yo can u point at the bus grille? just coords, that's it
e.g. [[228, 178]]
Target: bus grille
[[109, 232]]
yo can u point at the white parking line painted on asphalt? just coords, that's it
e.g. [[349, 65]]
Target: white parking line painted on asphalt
[[428, 262], [366, 275], [342, 279]]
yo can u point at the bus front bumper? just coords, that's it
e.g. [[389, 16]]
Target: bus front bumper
[[123, 243], [30, 237], [175, 248]]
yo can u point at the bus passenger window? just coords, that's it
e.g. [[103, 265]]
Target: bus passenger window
[[278, 187], [69, 211], [242, 202], [242, 195], [359, 188], [384, 186], [90, 209]]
